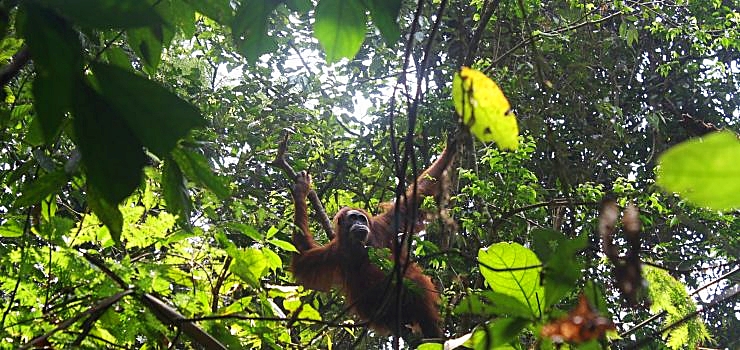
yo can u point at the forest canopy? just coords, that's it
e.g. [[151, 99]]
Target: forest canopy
[[149, 149]]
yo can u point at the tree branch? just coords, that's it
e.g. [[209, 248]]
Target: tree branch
[[281, 163]]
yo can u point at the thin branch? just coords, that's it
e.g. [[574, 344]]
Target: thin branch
[[10, 70], [274, 319], [281, 163], [220, 282], [482, 24]]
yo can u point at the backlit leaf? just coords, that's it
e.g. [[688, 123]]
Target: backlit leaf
[[704, 171], [112, 154], [158, 117], [41, 188], [384, 14], [517, 273], [483, 108], [249, 29], [340, 27]]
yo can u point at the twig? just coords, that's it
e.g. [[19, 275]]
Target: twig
[[219, 283], [281, 163]]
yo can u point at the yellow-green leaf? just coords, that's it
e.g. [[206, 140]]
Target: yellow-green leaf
[[484, 109], [704, 171]]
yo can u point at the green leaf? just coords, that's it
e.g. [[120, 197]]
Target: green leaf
[[384, 14], [669, 295], [175, 191], [483, 108], [247, 230], [44, 186], [249, 264], [11, 229], [112, 155], [52, 97], [561, 266], [517, 273], [57, 55], [157, 116], [704, 171], [196, 167], [105, 14], [287, 246], [498, 333], [147, 43], [507, 305], [107, 212], [118, 57], [249, 29], [340, 27], [218, 10]]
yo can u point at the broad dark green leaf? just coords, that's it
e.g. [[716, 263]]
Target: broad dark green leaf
[[158, 117], [179, 15], [57, 56], [247, 230], [41, 188], [384, 14], [704, 171], [107, 13], [218, 10], [11, 229], [287, 246], [249, 264], [507, 305], [340, 27], [562, 269], [106, 211], [196, 168], [52, 97], [515, 274], [249, 28], [175, 191], [497, 333], [112, 154], [148, 43], [118, 57]]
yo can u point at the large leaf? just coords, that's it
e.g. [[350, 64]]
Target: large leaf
[[112, 154], [41, 188], [250, 264], [483, 108], [218, 10], [562, 269], [107, 212], [196, 167], [340, 27], [497, 333], [704, 171], [107, 13], [148, 43], [249, 29], [175, 192], [384, 14], [57, 56], [511, 269], [158, 117]]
